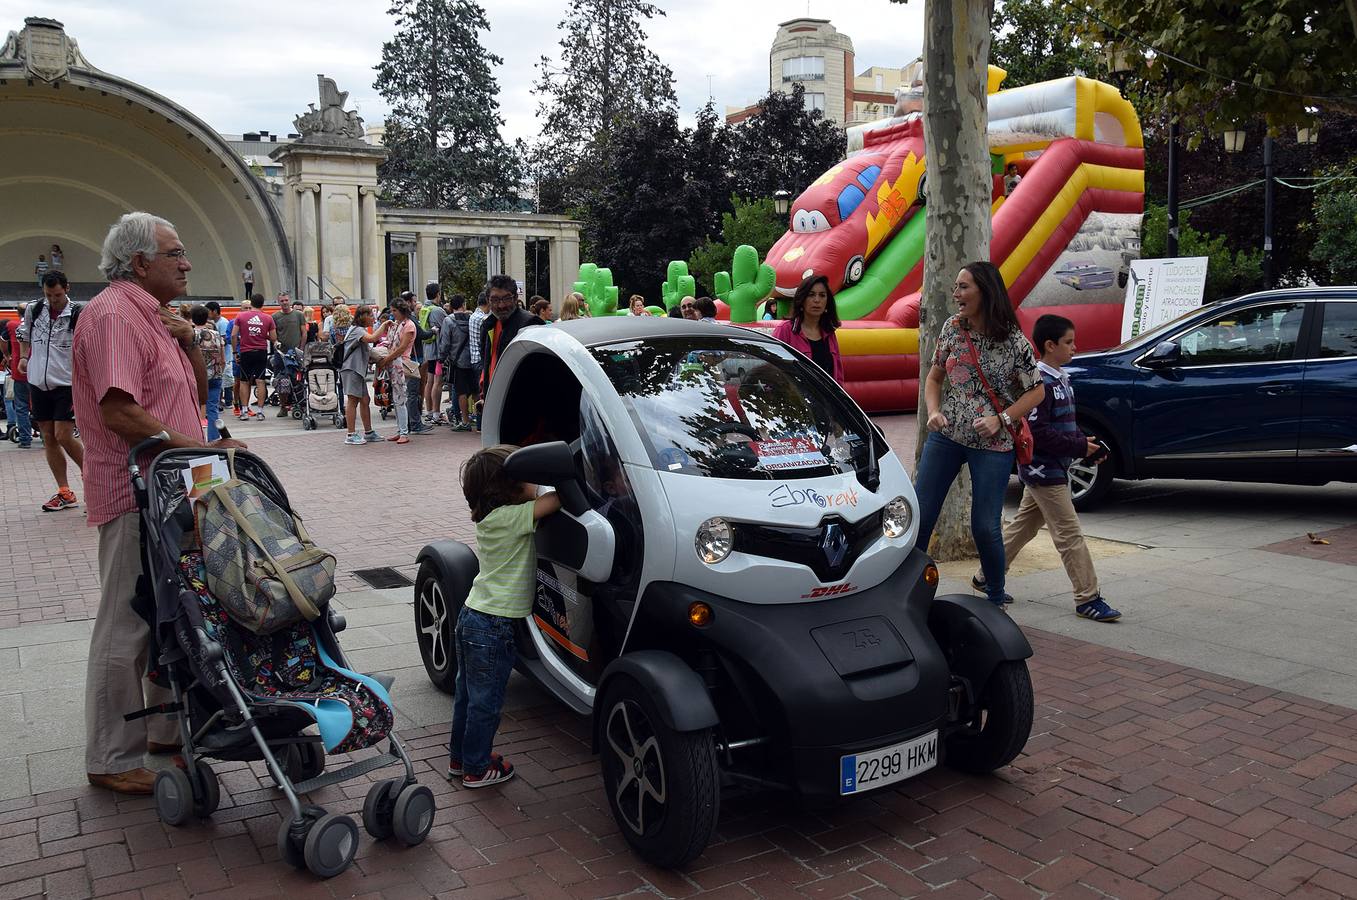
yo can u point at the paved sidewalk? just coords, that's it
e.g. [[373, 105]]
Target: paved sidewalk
[[1144, 776]]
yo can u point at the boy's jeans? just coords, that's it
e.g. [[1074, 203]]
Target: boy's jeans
[[1051, 504], [938, 467], [485, 655], [213, 400], [21, 414]]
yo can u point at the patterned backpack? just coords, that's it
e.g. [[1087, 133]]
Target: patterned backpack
[[260, 562]]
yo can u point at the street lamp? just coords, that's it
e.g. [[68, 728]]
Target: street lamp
[[1307, 134], [1233, 140], [782, 202]]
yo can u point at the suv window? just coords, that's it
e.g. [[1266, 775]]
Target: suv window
[[1339, 335], [1256, 334]]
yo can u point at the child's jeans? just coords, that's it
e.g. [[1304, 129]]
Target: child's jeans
[[485, 655], [213, 401], [1051, 505]]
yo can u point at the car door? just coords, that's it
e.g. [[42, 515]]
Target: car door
[[1328, 435], [581, 609], [1230, 403]]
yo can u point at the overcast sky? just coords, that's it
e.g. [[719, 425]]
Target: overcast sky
[[247, 65]]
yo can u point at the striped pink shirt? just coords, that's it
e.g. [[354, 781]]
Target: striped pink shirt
[[121, 343]]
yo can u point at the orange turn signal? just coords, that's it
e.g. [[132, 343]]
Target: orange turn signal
[[931, 575], [700, 614]]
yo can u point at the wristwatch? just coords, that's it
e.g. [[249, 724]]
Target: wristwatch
[[1006, 418]]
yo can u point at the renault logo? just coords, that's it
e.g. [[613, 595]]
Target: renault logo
[[834, 544]]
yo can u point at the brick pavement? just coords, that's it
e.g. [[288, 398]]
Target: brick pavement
[[1341, 546], [1141, 779]]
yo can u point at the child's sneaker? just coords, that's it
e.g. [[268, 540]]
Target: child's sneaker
[[372, 437], [1097, 610], [498, 771], [455, 769], [355, 440]]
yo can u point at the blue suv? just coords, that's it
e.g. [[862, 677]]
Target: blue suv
[[1257, 388]]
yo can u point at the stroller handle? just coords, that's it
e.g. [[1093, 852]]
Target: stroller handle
[[150, 443]]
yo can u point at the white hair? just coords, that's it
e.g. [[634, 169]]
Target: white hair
[[132, 234]]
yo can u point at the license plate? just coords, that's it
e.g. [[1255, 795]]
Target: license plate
[[875, 768]]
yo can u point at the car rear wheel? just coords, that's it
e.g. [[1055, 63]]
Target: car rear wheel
[[435, 617], [1090, 483], [663, 785], [1000, 725]]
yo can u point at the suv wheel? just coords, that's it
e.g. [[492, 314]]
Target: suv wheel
[[1090, 483]]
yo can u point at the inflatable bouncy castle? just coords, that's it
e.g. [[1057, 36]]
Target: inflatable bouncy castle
[[1064, 230]]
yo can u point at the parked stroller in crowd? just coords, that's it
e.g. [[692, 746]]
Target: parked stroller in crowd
[[289, 380], [321, 388], [248, 687]]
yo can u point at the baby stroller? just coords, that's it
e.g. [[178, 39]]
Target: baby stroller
[[244, 696], [381, 392], [322, 388], [289, 380]]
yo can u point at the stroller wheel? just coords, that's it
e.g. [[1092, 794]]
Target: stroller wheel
[[173, 796], [296, 411], [304, 761], [413, 815], [330, 844], [207, 797], [289, 844], [378, 808]]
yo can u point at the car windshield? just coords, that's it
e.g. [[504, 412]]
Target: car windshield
[[724, 407]]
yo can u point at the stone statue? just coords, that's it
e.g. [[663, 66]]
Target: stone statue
[[331, 122], [44, 48]]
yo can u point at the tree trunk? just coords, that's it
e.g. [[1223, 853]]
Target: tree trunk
[[956, 59]]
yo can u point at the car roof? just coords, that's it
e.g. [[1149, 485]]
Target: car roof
[[612, 329]]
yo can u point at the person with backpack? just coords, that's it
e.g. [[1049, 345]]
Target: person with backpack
[[431, 318], [352, 351], [455, 352], [46, 337], [213, 349]]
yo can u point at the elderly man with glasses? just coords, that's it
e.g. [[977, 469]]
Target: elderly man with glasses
[[506, 319], [137, 372]]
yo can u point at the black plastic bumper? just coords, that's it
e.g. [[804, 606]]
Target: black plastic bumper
[[817, 679]]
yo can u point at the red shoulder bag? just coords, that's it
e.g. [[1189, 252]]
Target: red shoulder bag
[[1019, 430]]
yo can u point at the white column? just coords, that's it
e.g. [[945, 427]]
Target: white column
[[494, 259], [308, 243], [567, 256], [516, 263], [372, 245], [427, 245]]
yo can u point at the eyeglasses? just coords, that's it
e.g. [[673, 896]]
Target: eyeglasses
[[181, 253], [501, 298]]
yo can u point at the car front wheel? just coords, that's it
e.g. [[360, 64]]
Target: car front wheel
[[663, 785], [1000, 723]]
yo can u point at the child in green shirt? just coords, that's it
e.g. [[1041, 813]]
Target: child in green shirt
[[506, 514]]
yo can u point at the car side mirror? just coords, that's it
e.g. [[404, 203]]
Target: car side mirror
[[1165, 354], [552, 464]]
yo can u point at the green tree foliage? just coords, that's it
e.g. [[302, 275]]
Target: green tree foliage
[[710, 146], [635, 220], [752, 222], [785, 147], [1036, 40], [1263, 59], [1334, 227], [1229, 272], [443, 131], [603, 75]]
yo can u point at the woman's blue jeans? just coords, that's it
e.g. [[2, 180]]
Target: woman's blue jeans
[[942, 459], [486, 653], [213, 401]]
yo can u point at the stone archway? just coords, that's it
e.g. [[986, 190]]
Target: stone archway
[[81, 147]]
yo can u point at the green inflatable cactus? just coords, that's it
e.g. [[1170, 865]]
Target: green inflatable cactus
[[720, 286], [678, 284], [597, 287], [752, 282]]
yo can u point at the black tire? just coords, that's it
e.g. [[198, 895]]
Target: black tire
[[304, 761], [378, 807], [435, 617], [413, 814], [173, 796], [668, 824], [291, 846], [1089, 484], [331, 842], [207, 796], [1001, 723]]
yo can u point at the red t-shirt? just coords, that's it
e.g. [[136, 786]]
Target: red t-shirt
[[253, 328], [11, 329]]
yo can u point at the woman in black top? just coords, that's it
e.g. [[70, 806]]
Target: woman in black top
[[812, 326]]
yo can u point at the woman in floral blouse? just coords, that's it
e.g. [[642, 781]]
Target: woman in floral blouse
[[964, 424]]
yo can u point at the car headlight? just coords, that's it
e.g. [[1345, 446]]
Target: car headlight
[[896, 517], [714, 541]]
